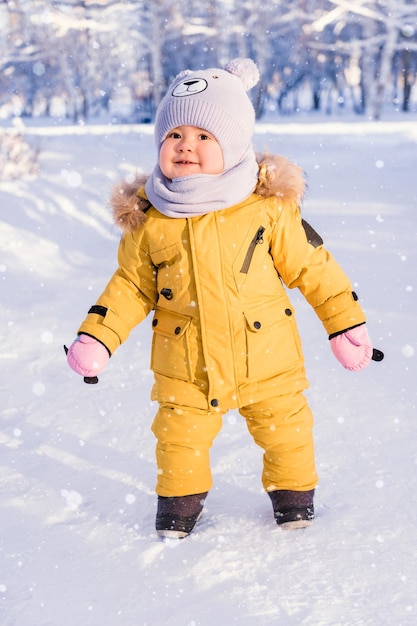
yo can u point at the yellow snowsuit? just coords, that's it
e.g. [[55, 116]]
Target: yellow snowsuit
[[225, 334]]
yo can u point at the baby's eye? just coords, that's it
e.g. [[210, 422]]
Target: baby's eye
[[204, 137], [174, 135]]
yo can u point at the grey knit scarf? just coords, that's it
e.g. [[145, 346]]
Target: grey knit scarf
[[199, 194]]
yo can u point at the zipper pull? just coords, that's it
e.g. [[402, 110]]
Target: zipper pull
[[259, 235], [258, 238]]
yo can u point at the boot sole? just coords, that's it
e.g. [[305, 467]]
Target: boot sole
[[172, 534], [176, 534], [295, 524]]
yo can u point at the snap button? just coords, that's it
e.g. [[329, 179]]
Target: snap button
[[257, 325], [288, 312], [214, 402], [177, 330], [155, 322], [167, 293]]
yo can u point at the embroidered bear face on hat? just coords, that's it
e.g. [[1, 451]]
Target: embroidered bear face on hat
[[215, 100]]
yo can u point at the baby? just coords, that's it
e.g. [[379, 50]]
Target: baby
[[211, 240]]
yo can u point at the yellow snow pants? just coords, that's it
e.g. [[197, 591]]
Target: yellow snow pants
[[281, 426]]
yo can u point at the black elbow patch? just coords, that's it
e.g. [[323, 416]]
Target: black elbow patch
[[98, 310], [313, 237]]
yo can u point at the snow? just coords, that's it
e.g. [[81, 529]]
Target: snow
[[77, 476]]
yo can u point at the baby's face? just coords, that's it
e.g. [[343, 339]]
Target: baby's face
[[188, 150]]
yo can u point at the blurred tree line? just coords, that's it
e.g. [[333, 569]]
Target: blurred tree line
[[81, 59]]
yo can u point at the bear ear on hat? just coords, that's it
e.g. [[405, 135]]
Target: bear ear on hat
[[183, 73], [246, 70]]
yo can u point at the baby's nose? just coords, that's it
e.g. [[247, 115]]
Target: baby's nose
[[185, 146]]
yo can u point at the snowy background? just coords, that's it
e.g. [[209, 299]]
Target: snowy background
[[77, 539]]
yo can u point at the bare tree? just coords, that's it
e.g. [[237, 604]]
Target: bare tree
[[375, 34], [89, 54]]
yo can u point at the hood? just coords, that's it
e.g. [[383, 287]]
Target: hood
[[278, 176]]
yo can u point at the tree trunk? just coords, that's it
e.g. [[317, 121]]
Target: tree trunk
[[157, 40], [385, 68], [408, 79]]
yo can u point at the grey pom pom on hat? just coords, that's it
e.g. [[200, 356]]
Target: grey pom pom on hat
[[216, 100]]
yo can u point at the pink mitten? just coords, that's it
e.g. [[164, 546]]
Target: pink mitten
[[87, 356], [353, 348]]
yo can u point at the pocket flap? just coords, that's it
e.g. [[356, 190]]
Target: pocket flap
[[272, 313], [166, 256], [169, 323]]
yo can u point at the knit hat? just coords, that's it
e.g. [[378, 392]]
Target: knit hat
[[215, 100]]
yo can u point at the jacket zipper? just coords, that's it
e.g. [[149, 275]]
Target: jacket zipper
[[248, 258]]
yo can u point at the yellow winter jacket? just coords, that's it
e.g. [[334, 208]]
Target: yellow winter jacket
[[224, 329]]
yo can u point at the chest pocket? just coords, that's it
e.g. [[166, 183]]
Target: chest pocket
[[171, 353], [244, 261], [167, 262]]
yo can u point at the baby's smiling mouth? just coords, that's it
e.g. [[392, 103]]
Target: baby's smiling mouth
[[184, 162]]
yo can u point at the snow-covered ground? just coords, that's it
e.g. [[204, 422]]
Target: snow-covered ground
[[77, 472]]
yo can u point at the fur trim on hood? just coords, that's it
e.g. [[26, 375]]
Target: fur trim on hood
[[278, 176]]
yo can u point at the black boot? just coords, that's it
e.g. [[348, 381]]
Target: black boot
[[293, 509], [177, 516]]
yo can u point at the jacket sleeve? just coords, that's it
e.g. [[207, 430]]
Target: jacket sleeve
[[127, 299], [305, 263]]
